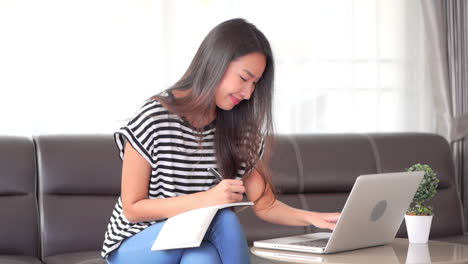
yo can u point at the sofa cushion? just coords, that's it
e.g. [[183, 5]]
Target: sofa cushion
[[286, 169], [79, 182], [19, 212], [331, 163]]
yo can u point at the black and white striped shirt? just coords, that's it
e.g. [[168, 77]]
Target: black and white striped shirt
[[179, 165]]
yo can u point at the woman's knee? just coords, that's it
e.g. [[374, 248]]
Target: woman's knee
[[225, 224]]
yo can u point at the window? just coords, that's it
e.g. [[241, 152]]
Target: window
[[86, 66]]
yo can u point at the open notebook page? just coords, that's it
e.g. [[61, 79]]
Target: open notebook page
[[188, 229]]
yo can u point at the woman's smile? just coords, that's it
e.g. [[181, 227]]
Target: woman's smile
[[235, 100]]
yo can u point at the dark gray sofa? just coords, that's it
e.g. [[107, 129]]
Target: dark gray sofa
[[57, 192]]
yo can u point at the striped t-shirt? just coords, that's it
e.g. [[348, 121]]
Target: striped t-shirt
[[179, 165]]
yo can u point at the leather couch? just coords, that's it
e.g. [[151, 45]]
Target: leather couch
[[57, 191]]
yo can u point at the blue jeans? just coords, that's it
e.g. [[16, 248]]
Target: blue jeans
[[224, 242]]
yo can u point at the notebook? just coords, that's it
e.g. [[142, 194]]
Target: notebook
[[188, 229]]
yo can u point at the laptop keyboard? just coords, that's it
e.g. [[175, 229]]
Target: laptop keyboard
[[312, 243]]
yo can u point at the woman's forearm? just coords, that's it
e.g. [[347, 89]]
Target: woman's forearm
[[226, 191], [157, 209], [282, 214]]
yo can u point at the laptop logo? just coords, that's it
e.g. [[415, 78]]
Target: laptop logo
[[378, 210]]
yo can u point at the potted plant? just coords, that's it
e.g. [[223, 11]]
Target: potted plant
[[418, 218]]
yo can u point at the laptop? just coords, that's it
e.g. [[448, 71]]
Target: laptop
[[372, 214]]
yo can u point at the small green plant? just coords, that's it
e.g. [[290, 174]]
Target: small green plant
[[426, 190]]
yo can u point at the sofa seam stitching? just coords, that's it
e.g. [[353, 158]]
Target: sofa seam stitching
[[300, 169], [299, 165], [38, 188], [375, 150]]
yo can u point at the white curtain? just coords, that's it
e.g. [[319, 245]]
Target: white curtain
[[447, 25], [86, 66]]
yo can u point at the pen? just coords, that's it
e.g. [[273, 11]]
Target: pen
[[216, 174]]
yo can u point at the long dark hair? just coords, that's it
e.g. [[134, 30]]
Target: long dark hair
[[239, 132]]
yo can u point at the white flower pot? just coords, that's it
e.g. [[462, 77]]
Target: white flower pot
[[418, 227]]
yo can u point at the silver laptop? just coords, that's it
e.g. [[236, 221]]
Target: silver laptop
[[371, 216]]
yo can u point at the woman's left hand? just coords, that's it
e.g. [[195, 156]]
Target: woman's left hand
[[324, 220]]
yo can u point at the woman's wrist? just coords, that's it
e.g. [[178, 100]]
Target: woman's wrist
[[206, 198], [311, 218]]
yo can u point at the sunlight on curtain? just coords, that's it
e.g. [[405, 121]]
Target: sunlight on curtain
[[86, 66]]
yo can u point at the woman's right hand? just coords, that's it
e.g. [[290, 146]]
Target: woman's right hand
[[324, 220], [227, 191]]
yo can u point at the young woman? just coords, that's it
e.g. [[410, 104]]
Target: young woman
[[218, 115]]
